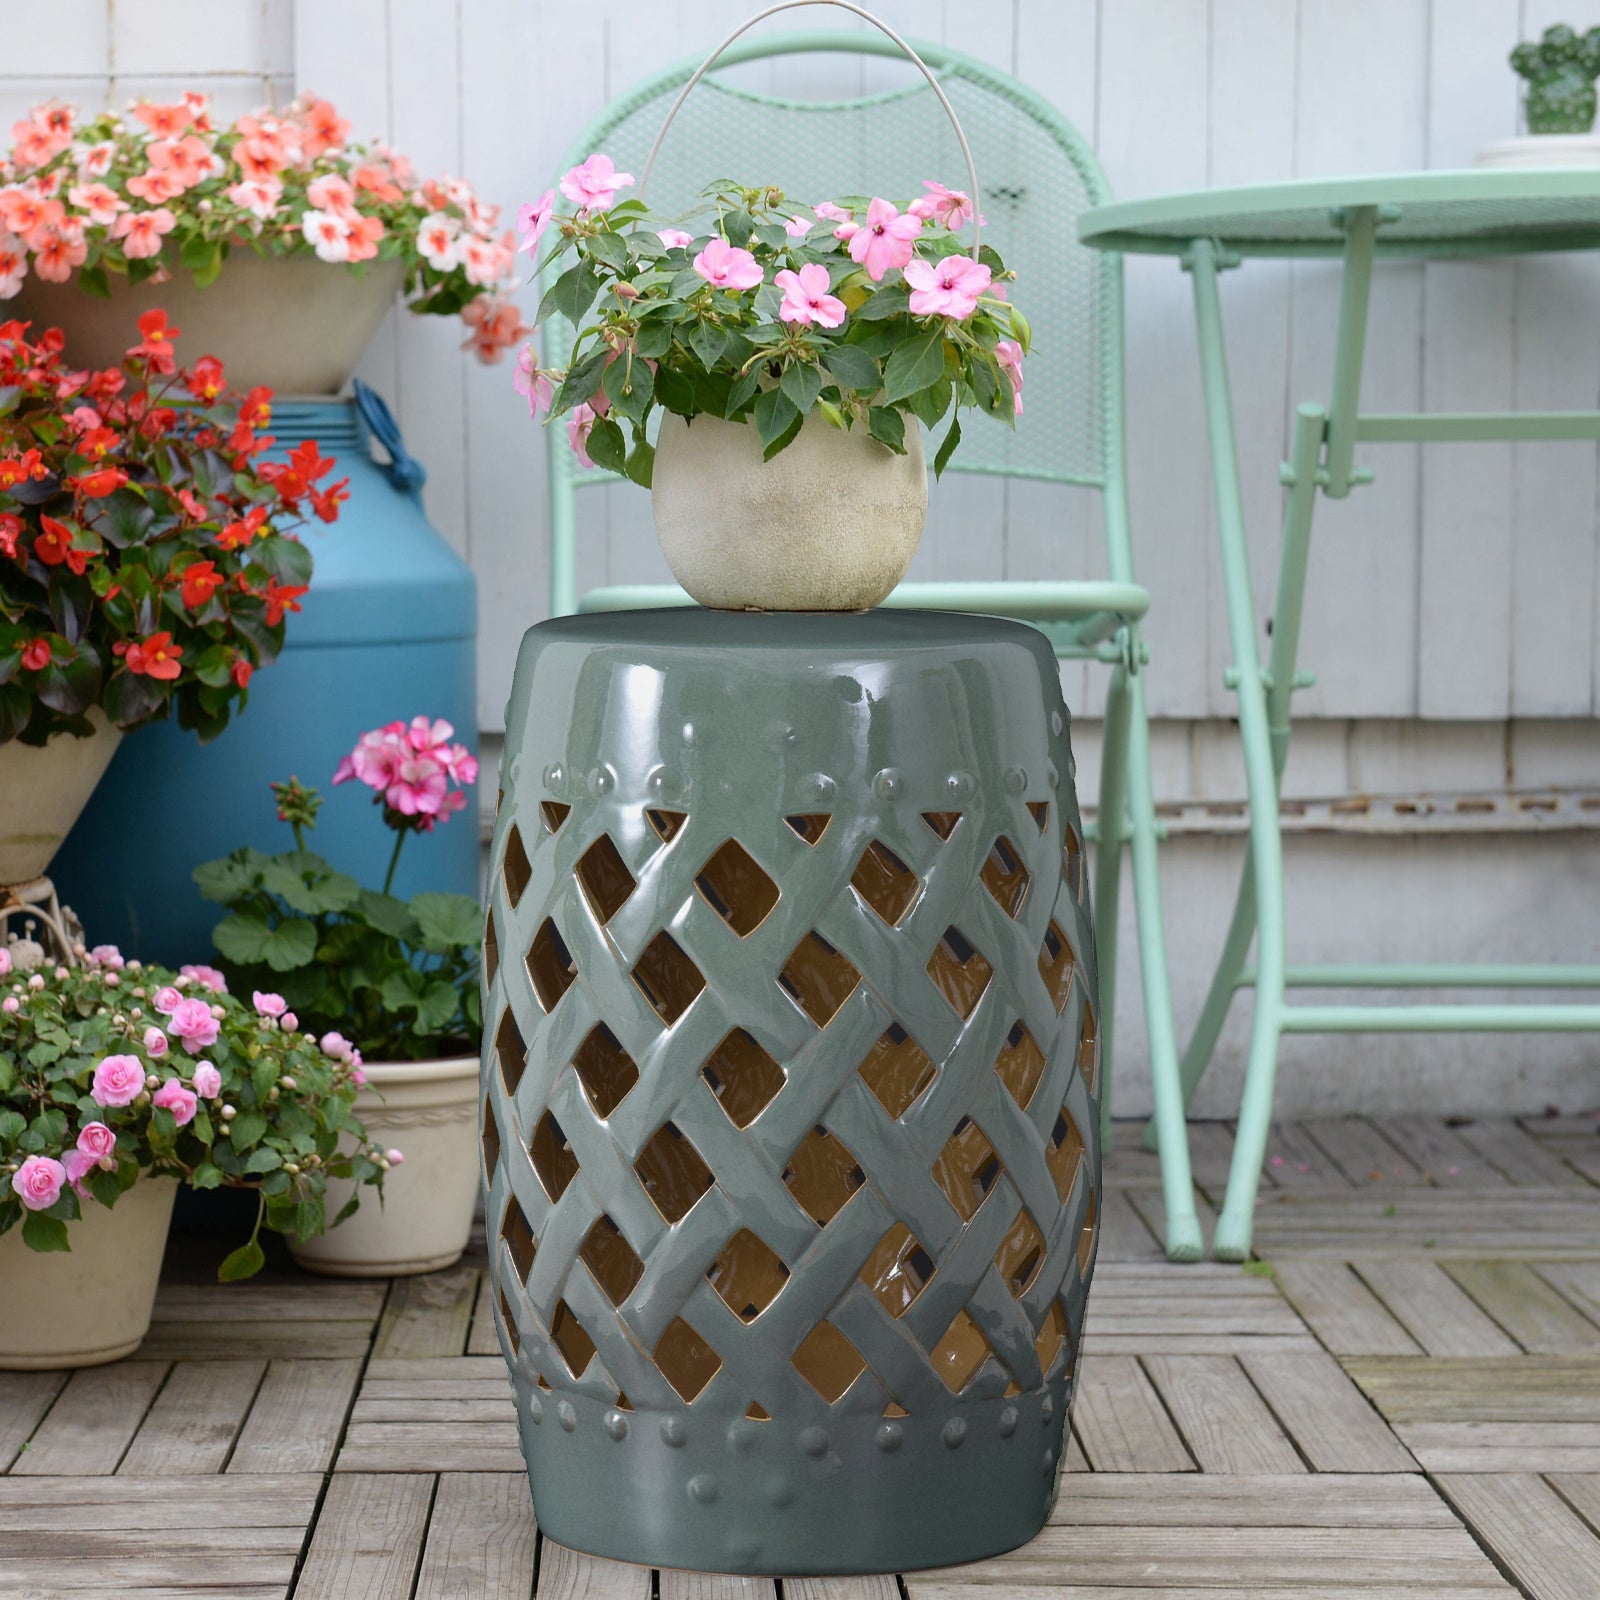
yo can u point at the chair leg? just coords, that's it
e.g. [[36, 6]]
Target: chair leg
[[1108, 877]]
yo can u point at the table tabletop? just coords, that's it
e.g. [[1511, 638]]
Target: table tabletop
[[1484, 212]]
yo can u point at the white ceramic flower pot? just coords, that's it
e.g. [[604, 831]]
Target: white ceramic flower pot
[[829, 524], [1542, 150], [294, 323], [428, 1110], [89, 1305], [42, 790]]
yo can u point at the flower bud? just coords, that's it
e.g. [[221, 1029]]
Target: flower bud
[[138, 1011], [292, 1169], [36, 982], [394, 1157], [229, 1113], [152, 1081], [287, 1082]]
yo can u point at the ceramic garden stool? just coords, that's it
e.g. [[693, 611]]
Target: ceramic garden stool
[[789, 1116]]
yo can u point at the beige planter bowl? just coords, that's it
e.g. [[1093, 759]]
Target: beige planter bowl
[[294, 323], [89, 1305], [1542, 150], [43, 788], [829, 524], [428, 1110]]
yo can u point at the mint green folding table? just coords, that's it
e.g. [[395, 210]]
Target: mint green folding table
[[1436, 215]]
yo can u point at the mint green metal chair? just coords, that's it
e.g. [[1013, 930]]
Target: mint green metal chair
[[1038, 175]]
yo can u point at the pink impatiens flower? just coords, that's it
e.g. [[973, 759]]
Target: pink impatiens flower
[[798, 227], [533, 219], [118, 1081], [674, 238], [207, 1080], [593, 185], [883, 241], [829, 212], [173, 1097], [952, 207], [806, 297], [532, 382], [726, 266], [78, 1164], [580, 424], [439, 240], [1009, 354], [258, 196], [950, 289], [192, 1023], [38, 1182]]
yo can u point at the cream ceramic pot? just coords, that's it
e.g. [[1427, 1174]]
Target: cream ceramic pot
[[829, 524], [428, 1110], [89, 1305], [42, 790], [1542, 150]]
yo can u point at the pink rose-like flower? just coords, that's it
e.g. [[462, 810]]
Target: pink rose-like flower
[[118, 1081], [593, 185], [10, 1005], [173, 1097], [883, 242], [533, 219], [806, 298], [675, 238], [167, 999], [726, 266], [358, 1077], [952, 207], [288, 1022], [394, 1157], [207, 1080], [1009, 354], [207, 977], [78, 1164], [155, 1043], [38, 1182], [193, 1025], [268, 1005], [97, 1141], [5, 960], [950, 289], [336, 1046], [107, 956]]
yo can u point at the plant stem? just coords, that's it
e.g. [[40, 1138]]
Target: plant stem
[[394, 861]]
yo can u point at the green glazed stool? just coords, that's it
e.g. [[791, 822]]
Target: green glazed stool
[[790, 1130]]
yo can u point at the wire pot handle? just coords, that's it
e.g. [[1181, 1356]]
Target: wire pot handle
[[866, 16]]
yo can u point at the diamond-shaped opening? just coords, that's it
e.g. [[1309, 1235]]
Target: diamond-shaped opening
[[885, 882], [686, 1361], [612, 1260], [1052, 1338], [943, 823], [491, 949], [897, 1070], [1039, 810], [509, 1323], [1072, 864], [898, 1270], [550, 965], [1020, 1065], [734, 885], [519, 1239], [1063, 1152], [491, 1143], [810, 825], [895, 1409], [1005, 877], [959, 972], [622, 1402], [1086, 1238], [1055, 964], [552, 1156], [960, 1353], [755, 1412], [1089, 1048], [666, 823], [828, 1362], [672, 1172], [511, 1051], [604, 878], [818, 978], [499, 800], [967, 1168], [516, 869], [667, 978], [568, 1335], [822, 1175], [554, 813], [605, 1070], [1021, 1254], [743, 1077], [748, 1273]]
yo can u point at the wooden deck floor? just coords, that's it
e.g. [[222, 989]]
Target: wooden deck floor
[[1403, 1402]]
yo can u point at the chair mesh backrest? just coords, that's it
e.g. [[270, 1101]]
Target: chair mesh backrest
[[1036, 177]]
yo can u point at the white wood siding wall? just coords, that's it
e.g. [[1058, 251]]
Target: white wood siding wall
[[1462, 585]]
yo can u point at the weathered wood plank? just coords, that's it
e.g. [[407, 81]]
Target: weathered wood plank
[[483, 1369], [1443, 1158], [191, 1426], [1526, 1306], [1537, 1535], [171, 1571], [325, 1300], [1343, 1312], [1362, 1154], [570, 1575], [483, 1340], [428, 1315], [1226, 1424], [368, 1538], [93, 1419], [713, 1586], [1046, 1589], [1579, 1281], [1515, 1152], [1294, 1161], [481, 1539], [430, 1447], [1214, 1500], [275, 1500], [1529, 1389], [1580, 1151], [299, 1413], [1123, 1234], [1121, 1421], [24, 1399], [1436, 1311], [186, 1341], [1582, 1491], [1503, 1447], [1331, 1421], [878, 1586]]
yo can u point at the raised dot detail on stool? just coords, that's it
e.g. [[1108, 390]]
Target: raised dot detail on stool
[[1055, 722], [616, 1425], [889, 783], [689, 734], [673, 1432], [741, 1435], [703, 1487], [961, 785], [555, 777], [1051, 776], [785, 735], [780, 1493], [567, 1416], [1016, 779], [953, 1432], [889, 1437], [812, 1442], [1008, 1422], [816, 787], [1049, 1461], [663, 783], [1047, 1410], [601, 781], [535, 1410]]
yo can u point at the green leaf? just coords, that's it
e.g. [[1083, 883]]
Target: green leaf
[[947, 447], [784, 439], [582, 382], [43, 1233], [930, 404], [263, 1159], [437, 1007], [708, 341], [632, 398], [207, 266], [802, 382], [206, 1176], [641, 464], [247, 1128], [245, 1262], [888, 427], [571, 294], [248, 938], [737, 227], [389, 915], [914, 365], [306, 882], [447, 920], [890, 301], [675, 391], [231, 877], [607, 447], [743, 390], [853, 368], [775, 414], [654, 338], [122, 518], [611, 248]]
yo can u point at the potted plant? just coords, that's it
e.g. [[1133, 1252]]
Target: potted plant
[[793, 352], [147, 563], [1559, 106], [235, 230], [390, 984], [117, 1083]]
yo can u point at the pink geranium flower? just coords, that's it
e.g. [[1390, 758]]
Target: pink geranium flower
[[533, 219], [181, 1102], [883, 242], [726, 266], [118, 1081], [806, 298], [412, 769], [950, 289], [192, 1023], [38, 1182], [1009, 354], [593, 185]]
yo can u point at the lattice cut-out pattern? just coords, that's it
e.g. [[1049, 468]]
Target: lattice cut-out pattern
[[737, 888], [822, 1175], [519, 1238], [885, 882], [673, 1172], [605, 879], [898, 1070], [550, 965], [686, 1360], [743, 1077], [510, 1051], [748, 1273], [898, 1270], [667, 978], [605, 1070], [967, 1168], [571, 1339], [818, 978], [613, 1261], [960, 1353], [809, 825], [552, 1156], [829, 1362], [959, 972], [1020, 1065], [1005, 876], [1020, 1257], [516, 869]]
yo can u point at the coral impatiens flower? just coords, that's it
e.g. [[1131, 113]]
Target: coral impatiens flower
[[141, 232], [726, 266], [593, 185], [155, 657], [164, 122], [57, 250], [806, 298], [883, 241]]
